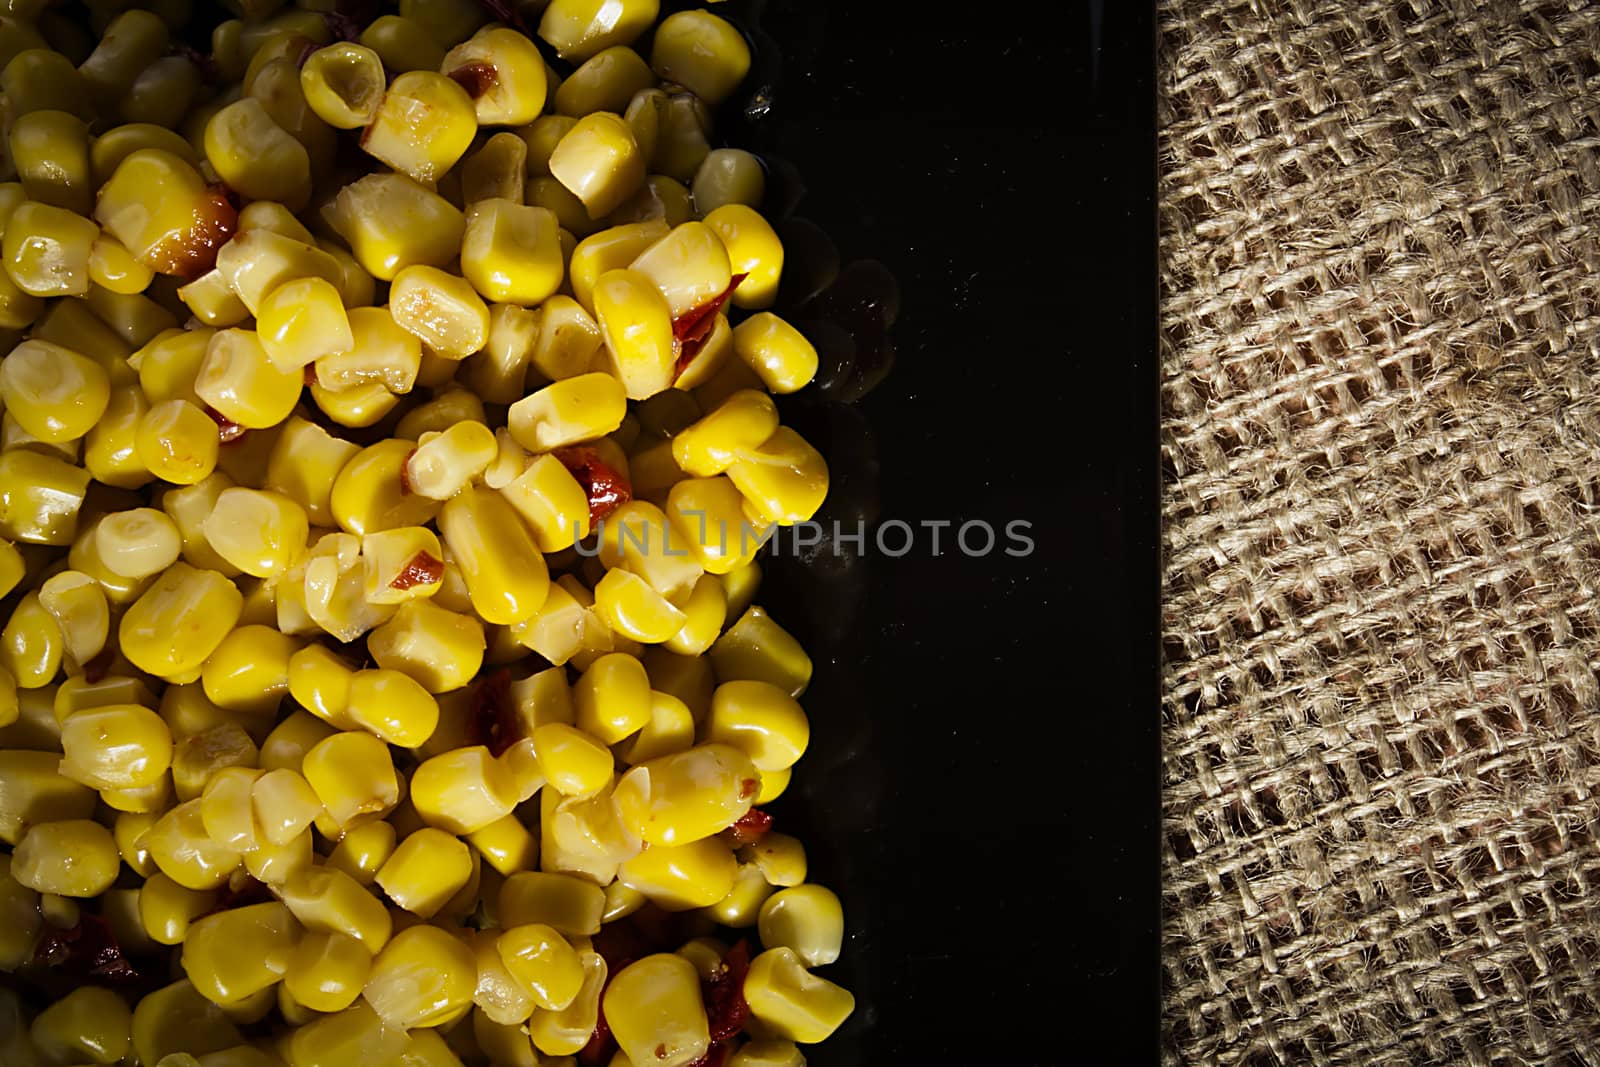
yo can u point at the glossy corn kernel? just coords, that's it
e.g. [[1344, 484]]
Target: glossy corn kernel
[[498, 374], [639, 537], [249, 671], [580, 28], [636, 322], [570, 905], [670, 730], [422, 978], [330, 900], [199, 756], [705, 612], [505, 844], [352, 775], [71, 858], [463, 790], [756, 647], [701, 52], [424, 125], [304, 462], [742, 906], [177, 442], [401, 564], [381, 354], [573, 762], [768, 1052], [560, 629], [776, 351], [689, 266], [343, 83], [327, 971], [543, 962], [610, 249], [332, 584], [511, 252], [425, 871], [36, 79], [503, 74], [630, 607], [755, 251], [612, 698], [583, 836], [403, 44], [113, 267], [240, 382], [20, 910], [126, 830], [129, 43], [740, 424], [760, 719], [440, 648], [273, 865], [551, 195], [682, 877], [780, 857], [137, 543], [157, 205], [285, 805], [302, 321], [599, 163], [568, 411], [17, 308], [449, 406], [54, 393], [169, 363], [444, 463], [363, 851], [255, 156], [88, 1025], [503, 568], [773, 784], [683, 126], [117, 746], [689, 795], [621, 902], [179, 621], [177, 1017], [46, 250], [501, 1000], [733, 177], [793, 1003], [355, 1035], [393, 706], [442, 310], [166, 908], [261, 533], [497, 171], [391, 222], [358, 407], [39, 497], [655, 1011], [237, 953], [226, 810], [552, 502], [111, 448], [31, 644], [78, 605], [370, 493]]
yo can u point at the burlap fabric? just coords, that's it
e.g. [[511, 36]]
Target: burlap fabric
[[1381, 446]]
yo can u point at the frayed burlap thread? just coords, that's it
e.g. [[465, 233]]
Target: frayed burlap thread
[[1380, 321]]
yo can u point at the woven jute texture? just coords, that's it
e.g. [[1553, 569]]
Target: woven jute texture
[[1381, 443]]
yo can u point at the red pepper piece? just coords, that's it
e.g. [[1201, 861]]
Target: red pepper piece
[[491, 715], [475, 78], [311, 374], [726, 1009], [405, 473], [601, 1046], [228, 431], [691, 329], [86, 950], [606, 489], [421, 569], [751, 827], [99, 666]]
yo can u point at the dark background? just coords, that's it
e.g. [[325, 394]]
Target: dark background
[[982, 787]]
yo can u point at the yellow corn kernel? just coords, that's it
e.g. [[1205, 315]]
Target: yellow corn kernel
[[806, 919], [612, 698], [274, 865], [505, 843], [583, 835], [19, 907], [566, 1032], [773, 784], [552, 502], [130, 42], [370, 492], [343, 83], [333, 586], [655, 1011], [355, 1035], [670, 730], [630, 607], [636, 323], [79, 607], [550, 194], [498, 374], [559, 629], [391, 222], [177, 1018], [225, 808], [427, 869], [329, 900], [236, 953], [403, 44], [352, 775], [188, 711], [303, 464], [249, 671], [39, 78], [39, 497], [598, 161], [740, 424], [776, 351], [257, 157], [423, 126], [689, 266], [89, 1025], [621, 902], [136, 543], [569, 905], [11, 567], [362, 852], [706, 610], [502, 73], [126, 829], [580, 28], [118, 746], [285, 805], [177, 442], [768, 1052], [543, 962], [610, 249], [639, 537], [448, 407], [46, 250], [444, 463], [756, 647], [780, 857], [327, 970], [381, 353], [109, 149], [301, 321], [276, 83], [170, 362], [733, 178], [793, 1003], [111, 449], [17, 309], [687, 796], [706, 954], [504, 570], [135, 318], [760, 719], [661, 199], [497, 171], [565, 412], [190, 220], [357, 407], [441, 649], [242, 384], [113, 267], [31, 645], [573, 762], [682, 877], [606, 81], [701, 52], [261, 533], [463, 791], [357, 289], [755, 251], [511, 252], [70, 857], [199, 756], [541, 137], [742, 906], [422, 978], [442, 310], [500, 997], [393, 706]]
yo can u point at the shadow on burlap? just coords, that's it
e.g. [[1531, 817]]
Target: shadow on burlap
[[1381, 442]]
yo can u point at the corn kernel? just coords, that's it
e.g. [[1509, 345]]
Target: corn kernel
[[328, 900], [573, 762], [18, 309], [225, 808], [71, 858], [580, 28], [682, 877], [46, 250], [285, 805], [88, 1025], [403, 44], [401, 564], [462, 791], [242, 384], [355, 1035], [583, 835], [445, 463], [502, 72], [569, 905], [757, 648], [177, 1018], [363, 851], [370, 492], [303, 464], [382, 353], [499, 373], [177, 442], [670, 730], [343, 83], [599, 163], [761, 720], [655, 1011], [690, 266], [543, 962], [621, 902], [422, 978], [236, 953], [302, 321], [391, 222], [682, 128], [39, 497], [261, 533], [630, 607], [353, 776], [741, 907], [54, 393], [574, 409], [500, 998], [179, 621], [111, 448], [118, 746], [610, 249], [776, 351], [113, 267], [566, 1032], [31, 644], [612, 698], [636, 323], [639, 537], [159, 207], [511, 252], [702, 53], [257, 157], [37, 79], [780, 857], [773, 784], [450, 405], [687, 796], [741, 423], [504, 570], [332, 585], [357, 407], [552, 502], [505, 843], [706, 611], [424, 125], [771, 1052], [79, 607], [166, 908], [551, 195], [792, 1003], [274, 865], [441, 649], [19, 907], [559, 629], [606, 81], [249, 671], [128, 44], [200, 755], [327, 971], [392, 705], [427, 869]]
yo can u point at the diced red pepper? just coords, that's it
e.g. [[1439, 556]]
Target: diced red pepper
[[691, 329], [751, 827], [601, 1046], [726, 1009], [86, 950], [405, 473], [491, 715], [421, 569], [99, 666], [475, 78], [311, 374], [228, 431], [606, 489]]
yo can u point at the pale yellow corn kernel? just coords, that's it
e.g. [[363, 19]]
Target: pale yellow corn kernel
[[353, 776], [242, 384], [505, 1044], [733, 177], [550, 194], [135, 318], [188, 711], [498, 170], [742, 906], [503, 567], [168, 364], [137, 543], [334, 595], [566, 1032], [31, 644], [768, 1052], [18, 309], [621, 902], [687, 796], [381, 353], [403, 44], [304, 462], [114, 268], [355, 1035], [606, 81], [793, 1003], [177, 442], [502, 73], [463, 791], [19, 908], [441, 649], [327, 971], [740, 424], [70, 857], [498, 995], [276, 83], [559, 629], [682, 877], [88, 1025], [445, 463], [544, 962], [541, 137], [583, 836], [427, 868], [755, 251], [343, 83], [126, 829], [612, 698], [118, 746], [573, 762], [506, 844], [111, 448], [363, 851], [776, 351], [302, 321], [46, 250], [610, 249], [783, 481], [14, 437], [579, 28], [79, 607], [449, 406], [655, 1011], [129, 43], [707, 611], [330, 900], [370, 493], [773, 784], [39, 497], [639, 537], [701, 52], [267, 215], [670, 730], [499, 373], [552, 502], [175, 1018], [273, 865], [422, 978], [79, 694], [255, 156], [285, 805], [568, 411], [357, 407], [11, 567], [391, 222], [756, 647], [357, 288], [236, 953], [780, 857], [599, 163], [225, 808], [464, 902], [712, 373], [199, 756], [689, 266], [760, 719], [630, 607], [447, 121], [110, 148], [401, 564], [511, 252], [261, 533], [571, 905], [442, 310], [393, 706], [182, 233], [706, 954], [636, 323], [249, 671]]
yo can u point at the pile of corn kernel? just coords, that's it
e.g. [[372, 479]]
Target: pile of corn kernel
[[387, 444]]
